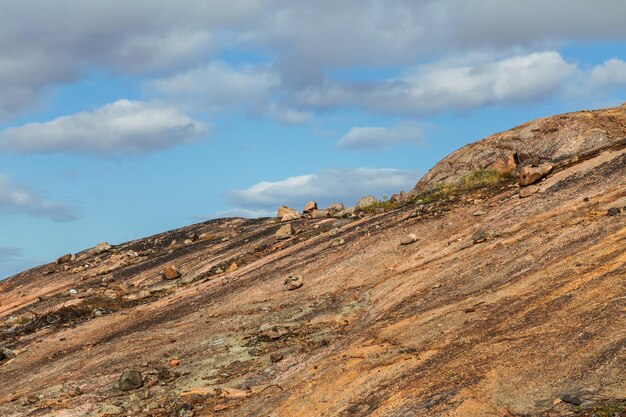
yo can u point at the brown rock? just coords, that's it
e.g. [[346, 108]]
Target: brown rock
[[505, 165], [293, 283], [528, 191], [336, 207], [285, 232], [170, 272], [320, 214], [232, 268], [409, 239], [287, 211], [287, 217], [64, 259], [276, 357], [309, 207], [530, 175]]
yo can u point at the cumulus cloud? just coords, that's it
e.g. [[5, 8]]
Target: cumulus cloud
[[117, 128], [443, 86], [325, 187], [611, 73], [19, 199], [304, 39], [382, 137]]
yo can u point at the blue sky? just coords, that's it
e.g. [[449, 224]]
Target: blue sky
[[121, 119]]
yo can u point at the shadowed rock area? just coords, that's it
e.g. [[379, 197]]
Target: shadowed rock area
[[464, 301]]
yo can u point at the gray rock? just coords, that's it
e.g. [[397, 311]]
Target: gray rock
[[335, 208], [102, 247], [366, 202], [130, 379], [613, 211], [6, 354]]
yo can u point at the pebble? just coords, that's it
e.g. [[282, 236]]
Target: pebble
[[129, 380], [412, 238], [293, 283]]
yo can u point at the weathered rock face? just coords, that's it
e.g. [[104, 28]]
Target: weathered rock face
[[549, 139], [468, 320], [285, 232]]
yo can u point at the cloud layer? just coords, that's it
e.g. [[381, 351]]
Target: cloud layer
[[373, 138], [17, 198], [325, 187], [118, 128]]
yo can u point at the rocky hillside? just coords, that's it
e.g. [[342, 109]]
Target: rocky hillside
[[480, 297]]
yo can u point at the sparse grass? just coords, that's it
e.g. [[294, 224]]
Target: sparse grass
[[482, 178], [380, 206], [609, 409]]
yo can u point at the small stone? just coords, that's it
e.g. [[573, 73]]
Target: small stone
[[73, 291], [6, 354], [570, 399], [338, 242], [412, 238], [334, 231], [110, 410], [188, 242], [74, 392], [174, 362], [586, 199], [309, 207], [130, 379], [170, 272], [479, 213], [293, 283], [480, 236], [613, 211], [276, 357], [232, 268], [285, 232], [366, 202], [528, 191], [64, 259], [32, 399]]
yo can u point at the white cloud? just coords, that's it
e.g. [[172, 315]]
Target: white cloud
[[115, 129], [219, 85], [19, 199], [325, 187], [443, 86], [611, 73], [382, 137]]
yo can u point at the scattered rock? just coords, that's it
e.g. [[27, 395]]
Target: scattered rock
[[309, 207], [6, 354], [188, 242], [338, 242], [528, 191], [130, 379], [232, 267], [174, 362], [335, 208], [412, 238], [613, 211], [334, 231], [345, 213], [102, 247], [293, 283], [64, 259], [285, 232], [480, 236], [366, 202], [276, 357], [110, 410], [570, 399], [529, 174], [74, 391], [320, 214], [479, 213], [287, 214], [170, 272], [271, 333]]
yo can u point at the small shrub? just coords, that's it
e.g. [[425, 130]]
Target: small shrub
[[380, 206], [482, 178]]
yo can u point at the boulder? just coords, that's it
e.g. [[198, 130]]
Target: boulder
[[309, 207], [320, 214], [293, 283], [412, 238], [345, 213], [336, 207], [285, 232], [170, 272], [129, 380], [505, 165], [528, 191], [64, 259], [366, 202], [290, 216], [529, 174], [102, 247], [282, 210]]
